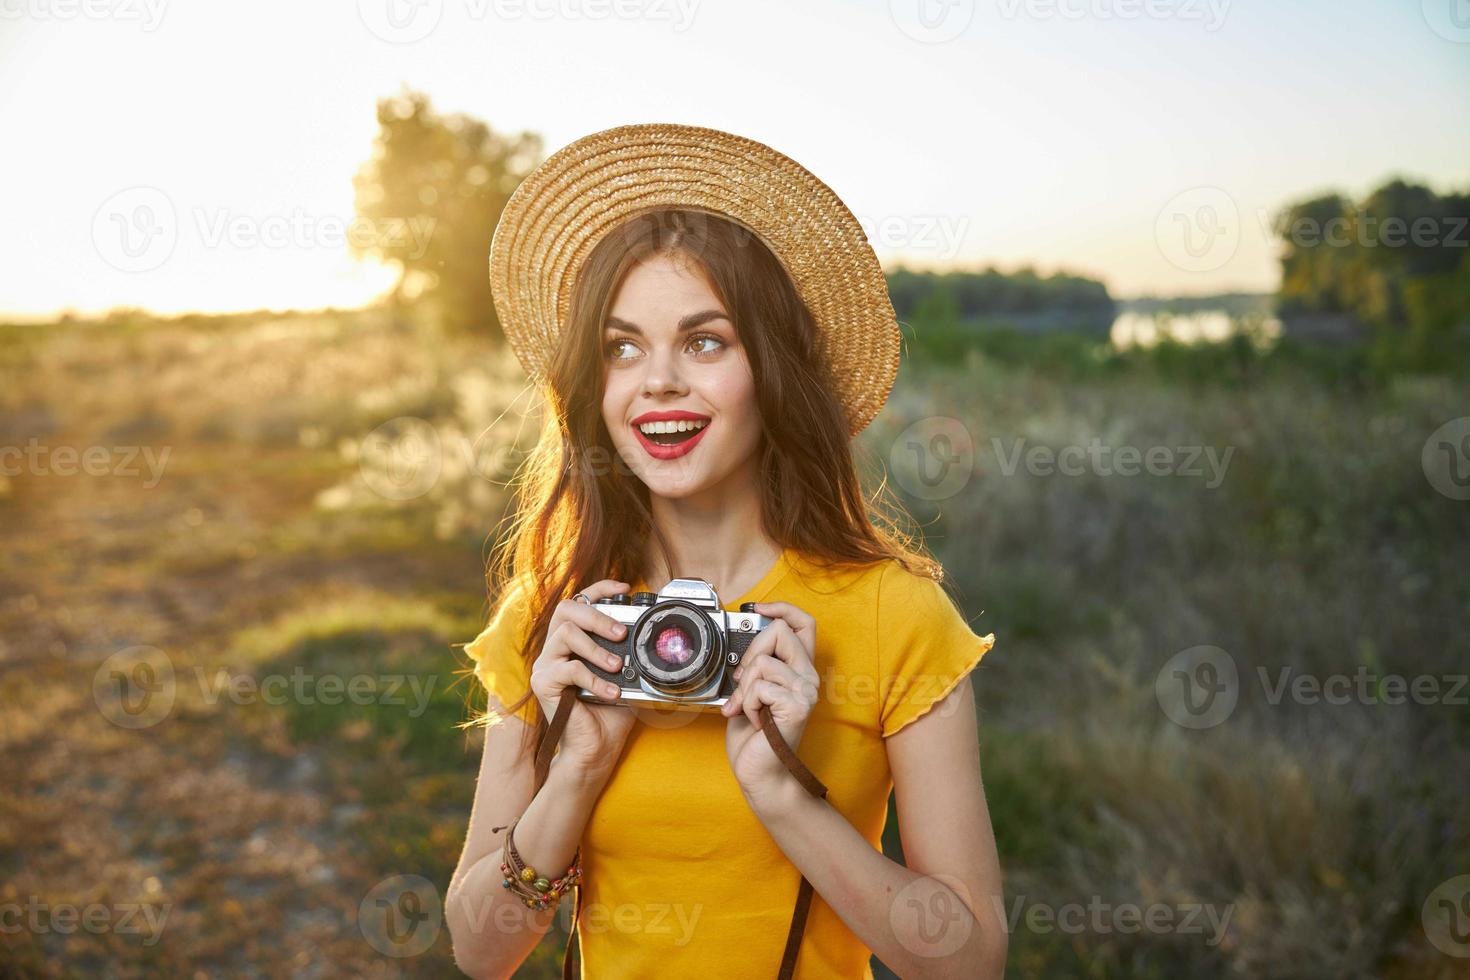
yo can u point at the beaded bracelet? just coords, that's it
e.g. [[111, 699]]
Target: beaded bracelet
[[534, 889]]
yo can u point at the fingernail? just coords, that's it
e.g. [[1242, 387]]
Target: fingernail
[[611, 690], [620, 629]]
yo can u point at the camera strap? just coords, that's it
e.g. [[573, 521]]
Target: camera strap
[[803, 775]]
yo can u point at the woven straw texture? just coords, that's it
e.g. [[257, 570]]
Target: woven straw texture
[[588, 188]]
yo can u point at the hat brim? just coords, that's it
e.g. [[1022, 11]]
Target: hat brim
[[590, 187]]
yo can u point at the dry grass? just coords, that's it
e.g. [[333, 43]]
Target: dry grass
[[268, 546]]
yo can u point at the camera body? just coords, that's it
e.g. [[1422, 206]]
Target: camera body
[[681, 647]]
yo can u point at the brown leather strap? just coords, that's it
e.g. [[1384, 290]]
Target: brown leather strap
[[814, 786], [803, 775]]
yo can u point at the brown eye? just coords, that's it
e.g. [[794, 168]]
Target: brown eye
[[717, 343], [614, 346]]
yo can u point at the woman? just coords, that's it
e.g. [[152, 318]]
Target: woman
[[711, 328]]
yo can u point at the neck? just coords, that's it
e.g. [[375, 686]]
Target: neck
[[717, 536]]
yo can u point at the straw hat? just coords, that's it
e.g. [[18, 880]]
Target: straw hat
[[588, 188]]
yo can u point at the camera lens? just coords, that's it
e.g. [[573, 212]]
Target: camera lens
[[673, 646], [677, 647]]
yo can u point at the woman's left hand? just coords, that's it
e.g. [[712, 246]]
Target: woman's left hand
[[776, 670]]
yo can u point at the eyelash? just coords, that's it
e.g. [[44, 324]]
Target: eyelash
[[613, 344]]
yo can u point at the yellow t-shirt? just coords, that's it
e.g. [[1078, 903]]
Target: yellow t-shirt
[[680, 878]]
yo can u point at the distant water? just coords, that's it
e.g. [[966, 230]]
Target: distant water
[[1146, 329]]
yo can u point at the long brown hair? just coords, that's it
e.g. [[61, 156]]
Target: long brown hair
[[579, 517]]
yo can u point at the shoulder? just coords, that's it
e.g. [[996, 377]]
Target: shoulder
[[887, 582], [508, 623]]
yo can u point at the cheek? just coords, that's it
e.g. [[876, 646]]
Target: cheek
[[615, 400], [732, 393]]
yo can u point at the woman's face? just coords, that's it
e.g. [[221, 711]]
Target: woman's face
[[674, 361]]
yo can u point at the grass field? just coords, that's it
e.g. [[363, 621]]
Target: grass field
[[245, 504]]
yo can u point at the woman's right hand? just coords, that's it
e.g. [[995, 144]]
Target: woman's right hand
[[595, 731]]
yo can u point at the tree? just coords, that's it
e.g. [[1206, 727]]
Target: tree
[[430, 198]]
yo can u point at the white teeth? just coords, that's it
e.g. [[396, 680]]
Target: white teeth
[[654, 428]]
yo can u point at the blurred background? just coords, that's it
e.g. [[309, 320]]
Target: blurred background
[[1184, 410]]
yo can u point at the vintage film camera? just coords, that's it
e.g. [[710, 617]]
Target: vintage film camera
[[681, 646]]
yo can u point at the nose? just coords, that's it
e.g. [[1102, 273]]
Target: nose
[[662, 376]]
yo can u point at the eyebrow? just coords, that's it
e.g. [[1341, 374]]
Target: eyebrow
[[687, 323]]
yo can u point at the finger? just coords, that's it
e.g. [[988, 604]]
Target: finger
[[589, 620], [768, 668], [798, 619], [576, 643], [766, 692], [778, 640], [574, 673]]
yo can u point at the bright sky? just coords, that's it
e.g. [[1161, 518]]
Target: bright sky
[[1144, 142]]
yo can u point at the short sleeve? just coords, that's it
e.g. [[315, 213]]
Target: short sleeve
[[925, 647], [499, 660]]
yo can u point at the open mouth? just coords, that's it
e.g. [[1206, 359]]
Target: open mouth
[[671, 438]]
